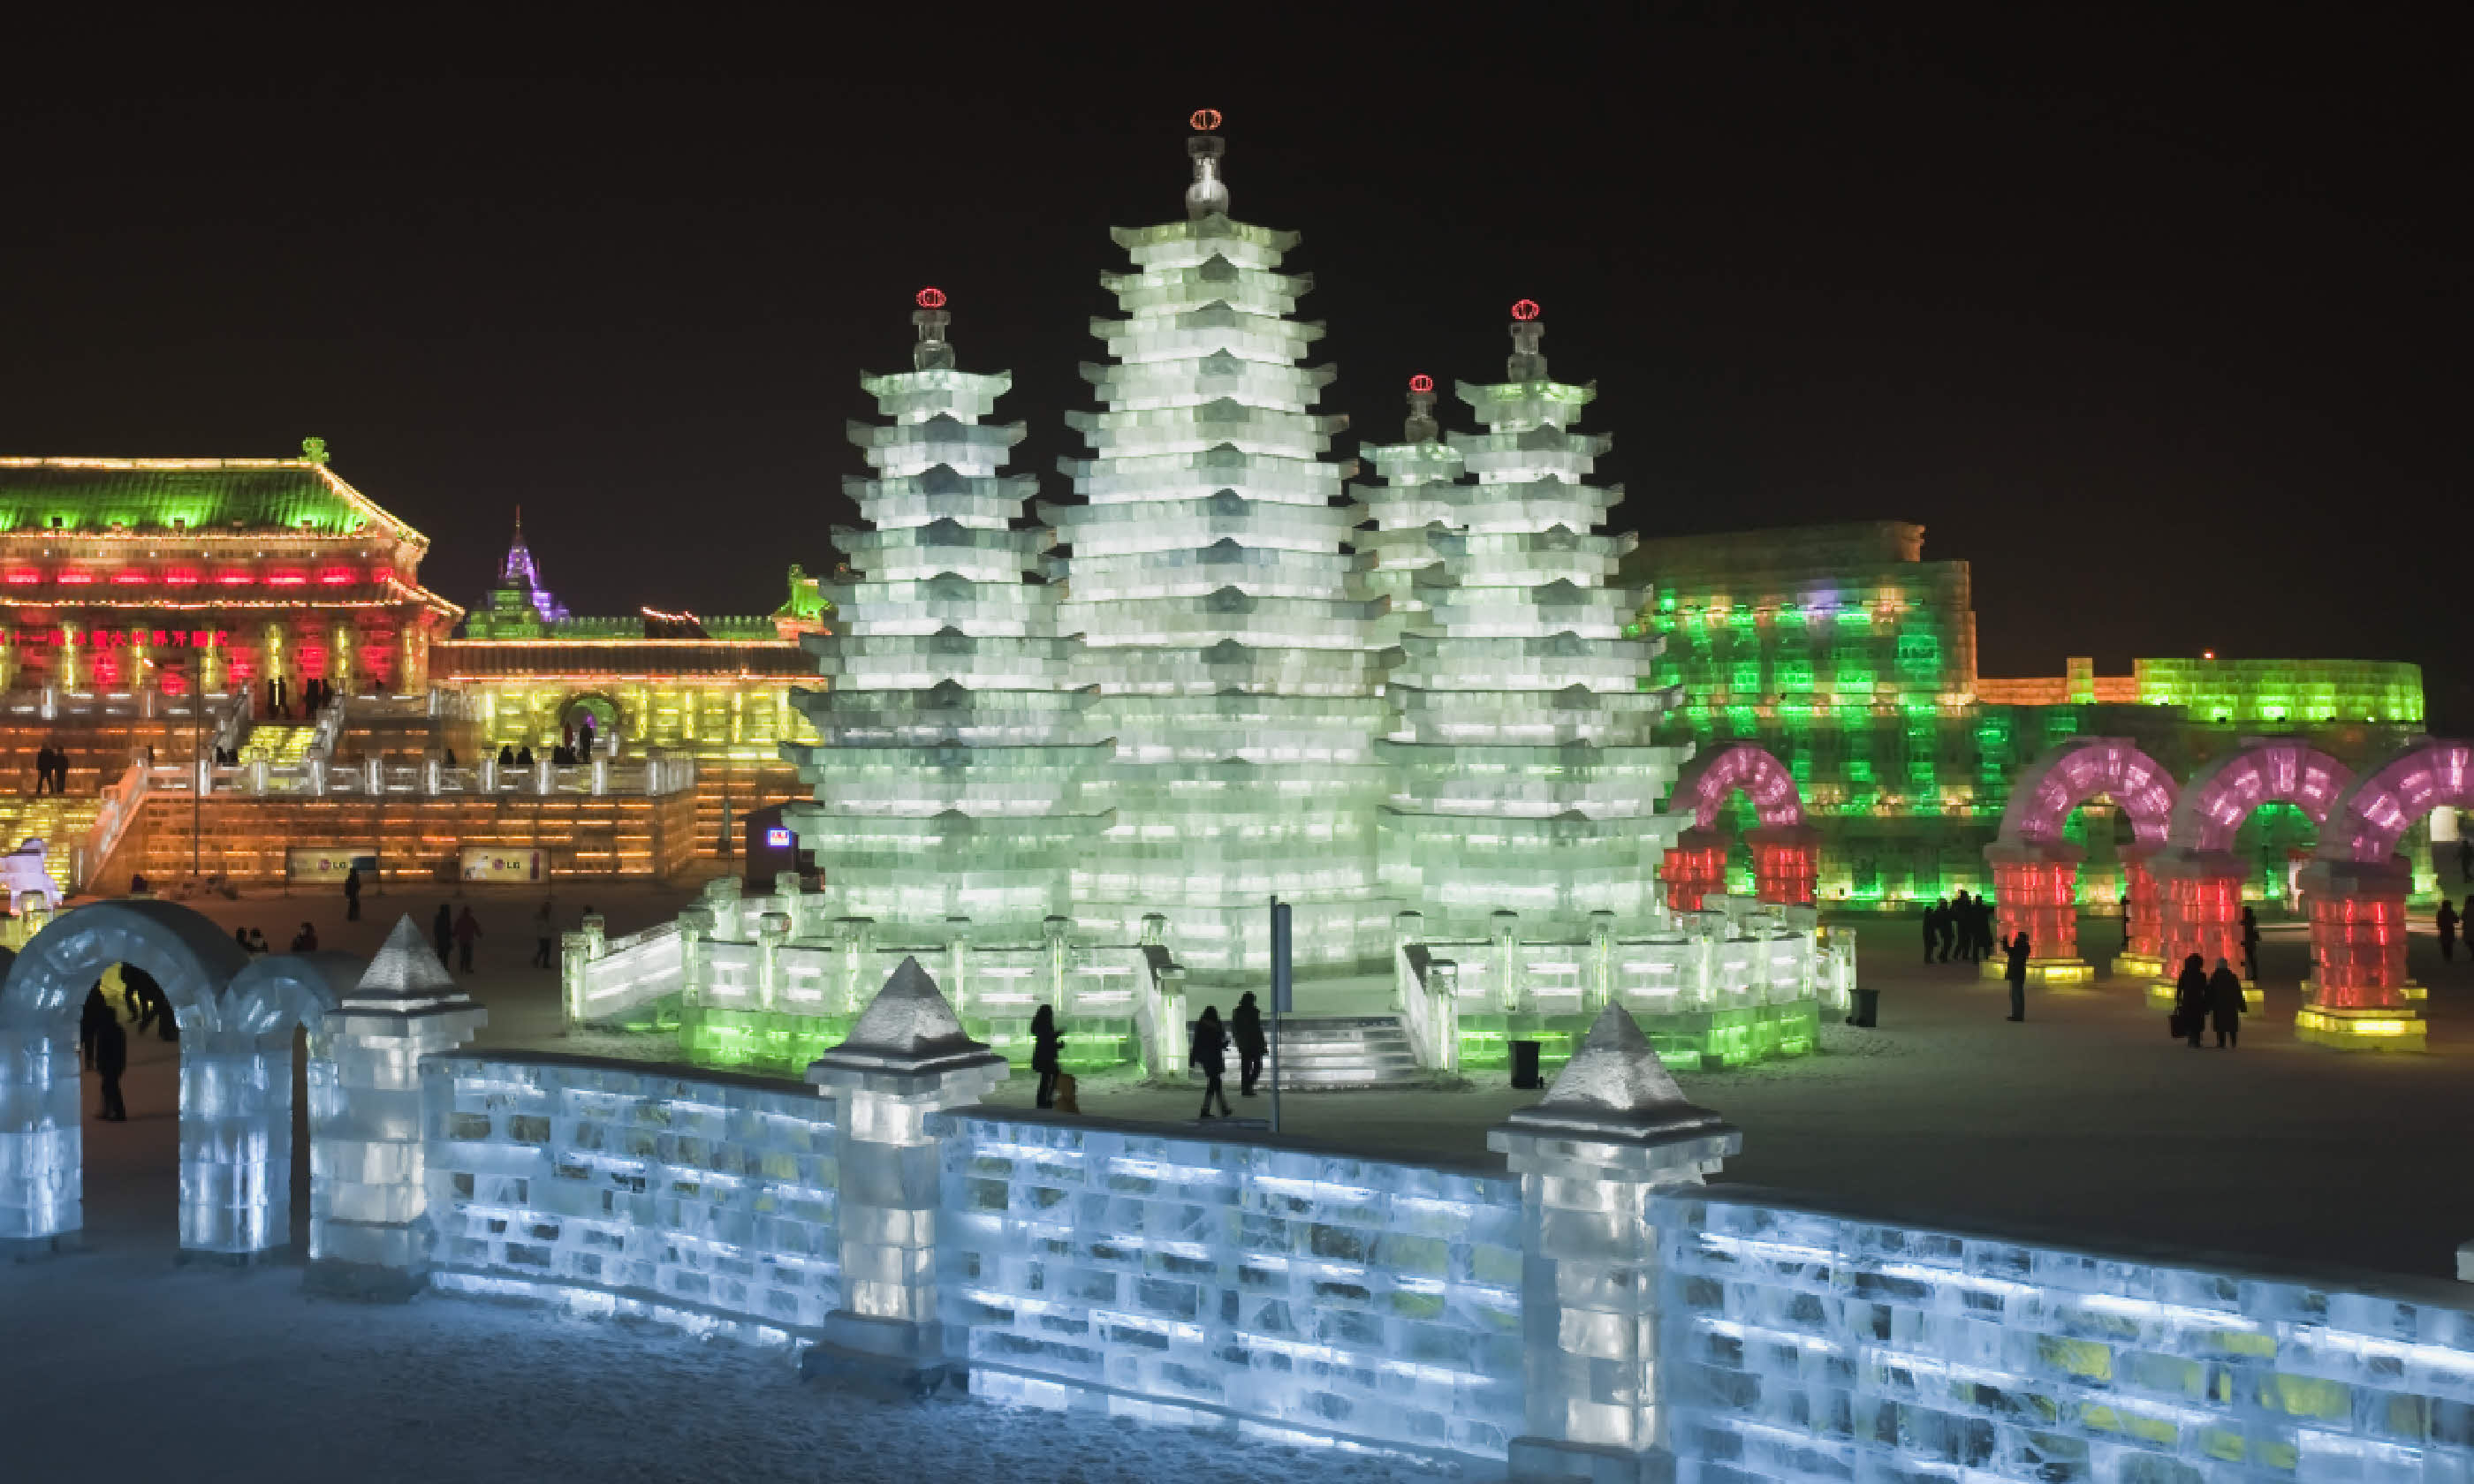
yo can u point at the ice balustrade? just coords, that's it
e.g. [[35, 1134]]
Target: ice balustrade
[[707, 1201], [1801, 1344], [656, 775]]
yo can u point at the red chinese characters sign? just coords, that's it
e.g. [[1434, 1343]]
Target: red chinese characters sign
[[123, 639]]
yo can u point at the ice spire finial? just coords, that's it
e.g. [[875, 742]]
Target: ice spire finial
[[1421, 427], [931, 353], [1208, 194], [1526, 363]]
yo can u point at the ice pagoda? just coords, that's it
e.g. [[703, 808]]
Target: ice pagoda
[[1209, 589], [1522, 772], [945, 773]]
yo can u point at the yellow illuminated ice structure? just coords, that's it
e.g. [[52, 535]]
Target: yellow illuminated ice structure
[[2396, 1028], [1213, 609], [1521, 772], [946, 778]]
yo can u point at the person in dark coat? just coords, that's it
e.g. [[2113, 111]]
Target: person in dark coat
[[1936, 918], [467, 928], [442, 931], [2250, 944], [2016, 971], [2225, 1004], [506, 755], [306, 941], [240, 937], [111, 1060], [91, 1018], [2447, 923], [524, 756], [1044, 1043], [1956, 927], [1210, 1057], [2191, 999], [1245, 1029], [353, 895], [153, 1008]]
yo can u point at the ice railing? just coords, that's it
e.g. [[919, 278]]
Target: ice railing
[[709, 1199], [1732, 954], [118, 807], [317, 776], [1803, 1346], [1300, 1294], [778, 952]]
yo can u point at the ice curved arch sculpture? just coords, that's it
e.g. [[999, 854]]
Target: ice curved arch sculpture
[[236, 1070], [1706, 781], [2220, 796], [2373, 813], [2072, 773]]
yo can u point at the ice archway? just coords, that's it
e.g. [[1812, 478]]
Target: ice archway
[[235, 1020], [1785, 850], [2036, 870]]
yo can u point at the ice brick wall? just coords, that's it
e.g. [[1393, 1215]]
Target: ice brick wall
[[1221, 1282], [707, 1200], [1802, 1346]]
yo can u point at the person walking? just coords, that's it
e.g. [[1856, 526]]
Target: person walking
[[1210, 1057], [1044, 1045], [2191, 1001], [544, 937], [441, 932], [2016, 971], [2465, 860], [1245, 1029], [1934, 917], [2250, 944], [467, 928], [353, 895], [111, 1060], [91, 1018], [153, 1009], [306, 941], [2447, 921], [2226, 1005], [1957, 930]]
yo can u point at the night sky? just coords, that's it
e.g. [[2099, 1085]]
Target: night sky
[[2161, 324]]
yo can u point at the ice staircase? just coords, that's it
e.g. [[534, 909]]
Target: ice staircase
[[275, 742], [58, 821], [1326, 1053]]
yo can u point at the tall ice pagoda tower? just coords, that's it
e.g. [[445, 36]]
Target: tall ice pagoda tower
[[1522, 772], [945, 778], [1210, 592]]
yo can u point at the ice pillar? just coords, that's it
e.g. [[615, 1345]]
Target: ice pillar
[[41, 1149], [1692, 867], [369, 1202], [2198, 909], [1612, 1129], [2144, 953], [1787, 863], [2359, 996], [235, 1145], [2036, 889], [907, 1058]]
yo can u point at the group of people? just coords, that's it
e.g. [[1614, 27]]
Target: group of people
[[1963, 925], [104, 1046], [1210, 1055], [315, 693], [51, 770], [2203, 1000], [455, 930]]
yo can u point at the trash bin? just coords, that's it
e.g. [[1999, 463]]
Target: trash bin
[[1868, 1003], [1525, 1065]]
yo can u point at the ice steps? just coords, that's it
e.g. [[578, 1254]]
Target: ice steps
[[1324, 1053]]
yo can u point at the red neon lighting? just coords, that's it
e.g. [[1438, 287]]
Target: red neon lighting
[[1422, 383], [335, 575], [235, 578], [1205, 120], [1525, 309], [129, 579], [76, 579], [182, 577], [285, 579], [929, 298], [21, 577]]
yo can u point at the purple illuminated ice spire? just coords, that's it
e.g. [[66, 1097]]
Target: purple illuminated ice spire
[[523, 574]]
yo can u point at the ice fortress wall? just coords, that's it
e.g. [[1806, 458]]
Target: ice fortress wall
[[1239, 1283]]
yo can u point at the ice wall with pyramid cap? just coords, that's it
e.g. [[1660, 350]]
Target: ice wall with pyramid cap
[[1521, 774], [946, 777], [1209, 590]]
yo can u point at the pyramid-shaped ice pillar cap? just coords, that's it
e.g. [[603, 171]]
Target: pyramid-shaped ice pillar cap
[[406, 975], [1616, 1091], [906, 1039]]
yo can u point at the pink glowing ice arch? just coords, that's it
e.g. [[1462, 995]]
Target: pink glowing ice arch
[[1710, 777], [2079, 770], [2221, 794], [2369, 818]]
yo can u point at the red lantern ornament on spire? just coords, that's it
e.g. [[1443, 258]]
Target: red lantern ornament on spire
[[1205, 120], [1422, 383], [929, 298], [1525, 309]]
